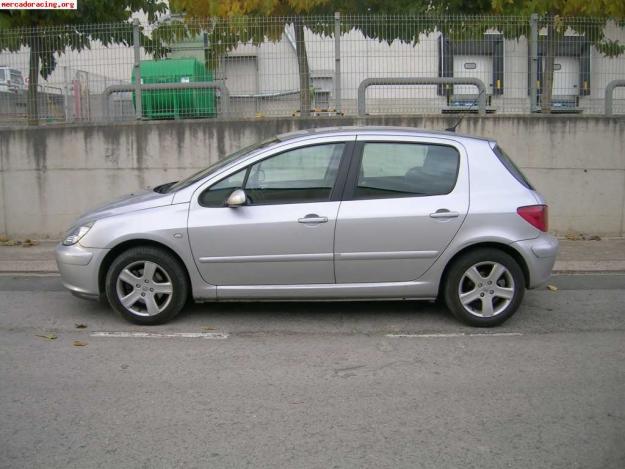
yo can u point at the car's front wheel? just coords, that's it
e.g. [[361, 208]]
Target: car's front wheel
[[484, 287], [146, 285]]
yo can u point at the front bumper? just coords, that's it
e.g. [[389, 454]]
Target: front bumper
[[540, 256], [79, 268]]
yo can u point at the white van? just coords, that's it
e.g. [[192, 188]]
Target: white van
[[11, 80]]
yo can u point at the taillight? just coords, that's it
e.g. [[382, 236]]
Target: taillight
[[535, 215]]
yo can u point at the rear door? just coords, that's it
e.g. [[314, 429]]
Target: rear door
[[405, 200]]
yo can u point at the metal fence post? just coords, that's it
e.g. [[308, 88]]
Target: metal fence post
[[67, 93], [534, 63], [337, 62], [136, 41]]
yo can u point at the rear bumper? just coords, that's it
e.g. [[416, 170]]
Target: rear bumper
[[540, 256], [79, 267]]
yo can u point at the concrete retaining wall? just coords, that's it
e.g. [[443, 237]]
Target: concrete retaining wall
[[50, 175]]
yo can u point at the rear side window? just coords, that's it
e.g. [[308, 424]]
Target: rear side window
[[511, 167], [406, 170]]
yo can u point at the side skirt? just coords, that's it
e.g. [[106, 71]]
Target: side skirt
[[327, 292]]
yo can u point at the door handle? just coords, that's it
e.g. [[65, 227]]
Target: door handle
[[444, 213], [312, 219]]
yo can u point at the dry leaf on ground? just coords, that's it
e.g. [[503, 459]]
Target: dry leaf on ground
[[48, 336], [79, 343], [552, 288]]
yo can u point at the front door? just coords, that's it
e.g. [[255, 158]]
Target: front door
[[404, 203], [284, 235]]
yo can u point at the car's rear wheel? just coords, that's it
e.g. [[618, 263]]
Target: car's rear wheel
[[146, 285], [484, 287]]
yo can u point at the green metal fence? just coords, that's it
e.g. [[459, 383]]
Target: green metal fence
[[313, 65]]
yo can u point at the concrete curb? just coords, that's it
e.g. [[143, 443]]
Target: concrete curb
[[589, 266]]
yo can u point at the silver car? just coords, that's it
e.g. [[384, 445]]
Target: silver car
[[340, 213]]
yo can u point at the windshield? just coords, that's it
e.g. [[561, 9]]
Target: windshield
[[218, 165]]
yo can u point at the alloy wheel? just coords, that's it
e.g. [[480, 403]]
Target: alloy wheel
[[486, 289], [144, 288]]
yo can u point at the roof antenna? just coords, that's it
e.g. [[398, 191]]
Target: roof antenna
[[455, 126]]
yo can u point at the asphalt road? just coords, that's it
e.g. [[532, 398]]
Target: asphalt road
[[376, 384]]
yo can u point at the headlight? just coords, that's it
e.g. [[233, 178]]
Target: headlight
[[74, 235]]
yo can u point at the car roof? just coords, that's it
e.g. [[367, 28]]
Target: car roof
[[374, 130]]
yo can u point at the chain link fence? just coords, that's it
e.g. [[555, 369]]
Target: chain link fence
[[284, 66]]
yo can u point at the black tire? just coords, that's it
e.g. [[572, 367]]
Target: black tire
[[476, 312], [168, 274]]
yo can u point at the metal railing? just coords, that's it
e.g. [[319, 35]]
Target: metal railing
[[479, 84], [609, 95], [271, 68]]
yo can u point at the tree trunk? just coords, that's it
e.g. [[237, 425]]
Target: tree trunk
[[302, 65], [32, 105], [550, 57]]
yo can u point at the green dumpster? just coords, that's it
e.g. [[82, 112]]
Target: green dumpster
[[176, 104]]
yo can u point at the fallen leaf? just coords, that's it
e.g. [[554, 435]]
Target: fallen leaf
[[80, 325], [552, 288], [79, 343], [48, 336], [574, 236], [3, 239]]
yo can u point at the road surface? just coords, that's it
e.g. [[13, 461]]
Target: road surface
[[327, 385]]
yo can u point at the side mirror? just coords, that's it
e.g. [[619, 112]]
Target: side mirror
[[236, 199]]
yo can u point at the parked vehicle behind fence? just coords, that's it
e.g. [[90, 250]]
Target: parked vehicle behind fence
[[11, 80], [340, 213]]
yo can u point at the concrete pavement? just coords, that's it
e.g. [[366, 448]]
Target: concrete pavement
[[314, 385], [606, 255]]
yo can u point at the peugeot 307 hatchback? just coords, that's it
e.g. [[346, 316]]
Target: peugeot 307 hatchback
[[341, 213]]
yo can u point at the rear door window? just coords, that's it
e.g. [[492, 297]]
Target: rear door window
[[406, 170]]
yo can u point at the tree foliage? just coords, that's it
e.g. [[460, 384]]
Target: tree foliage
[[243, 21], [59, 30], [560, 16]]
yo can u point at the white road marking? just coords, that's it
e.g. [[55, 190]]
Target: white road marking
[[454, 334], [156, 335]]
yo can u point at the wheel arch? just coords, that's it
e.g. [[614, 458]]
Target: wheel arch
[[132, 243], [511, 251]]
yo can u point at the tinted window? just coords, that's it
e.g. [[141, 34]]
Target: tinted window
[[218, 193], [406, 169], [301, 175], [510, 166]]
